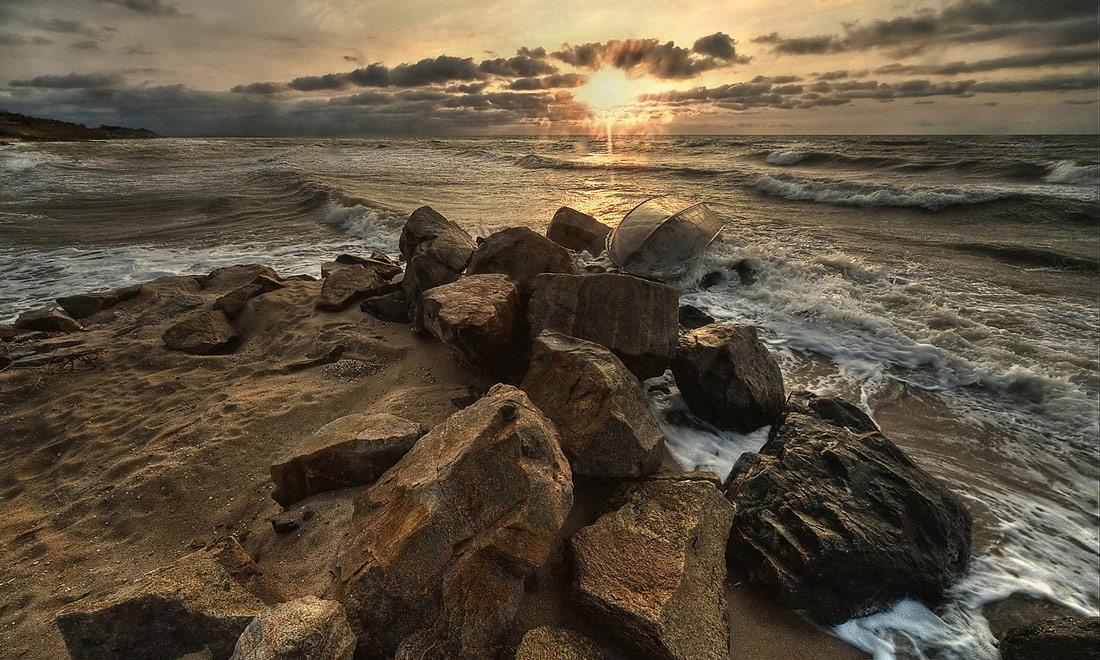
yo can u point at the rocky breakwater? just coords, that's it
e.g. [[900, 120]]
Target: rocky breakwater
[[535, 517]]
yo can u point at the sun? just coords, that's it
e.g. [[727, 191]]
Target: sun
[[611, 94]]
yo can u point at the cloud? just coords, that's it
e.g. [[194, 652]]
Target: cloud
[[561, 80], [63, 26], [661, 60], [86, 44], [8, 39], [718, 45], [527, 63], [428, 71], [147, 7], [260, 88], [137, 50], [1023, 60], [71, 81], [1059, 22], [350, 58]]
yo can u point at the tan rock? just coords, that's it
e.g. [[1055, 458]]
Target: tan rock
[[577, 231], [478, 317], [47, 320], [521, 254], [435, 250], [548, 643], [344, 286], [205, 333], [303, 629]]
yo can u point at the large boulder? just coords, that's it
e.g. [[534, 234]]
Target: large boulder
[[233, 302], [521, 254], [728, 378], [84, 305], [435, 250], [635, 318], [1067, 638], [652, 572], [47, 320], [577, 231], [449, 534], [302, 629], [480, 318], [842, 524], [205, 333], [391, 307], [352, 451], [204, 601], [832, 409], [346, 285], [599, 407], [227, 278], [549, 643]]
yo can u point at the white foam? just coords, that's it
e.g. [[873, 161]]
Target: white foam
[[1067, 171], [785, 158], [378, 229], [849, 193]]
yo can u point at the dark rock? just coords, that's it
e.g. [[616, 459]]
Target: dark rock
[[380, 263], [233, 302], [85, 304], [691, 317], [601, 412], [231, 277], [521, 254], [480, 318], [204, 601], [302, 629], [5, 357], [842, 524], [392, 307], [548, 643], [1018, 610], [748, 271], [728, 378], [832, 409], [346, 285], [285, 522], [652, 572], [435, 250], [1069, 638], [577, 231], [205, 333], [47, 320], [449, 534], [352, 451], [712, 278], [636, 319]]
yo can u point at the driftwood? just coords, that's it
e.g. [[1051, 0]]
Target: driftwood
[[89, 357]]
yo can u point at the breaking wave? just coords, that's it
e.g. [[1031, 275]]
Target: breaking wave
[[849, 193]]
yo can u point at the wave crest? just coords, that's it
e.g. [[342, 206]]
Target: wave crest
[[849, 193]]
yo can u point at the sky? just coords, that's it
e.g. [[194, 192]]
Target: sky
[[433, 67]]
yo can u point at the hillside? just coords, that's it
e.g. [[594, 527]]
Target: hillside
[[22, 127]]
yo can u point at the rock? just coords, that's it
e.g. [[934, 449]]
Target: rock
[[1018, 610], [842, 524], [302, 277], [346, 285], [521, 254], [352, 451], [233, 302], [1068, 638], [231, 277], [635, 318], [691, 317], [380, 263], [548, 643], [577, 231], [480, 318], [285, 522], [5, 357], [205, 600], [435, 250], [599, 407], [652, 572], [47, 320], [452, 531], [205, 333], [85, 304], [728, 378], [303, 629], [831, 409], [392, 307]]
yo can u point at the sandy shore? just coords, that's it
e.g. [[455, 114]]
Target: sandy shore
[[116, 468]]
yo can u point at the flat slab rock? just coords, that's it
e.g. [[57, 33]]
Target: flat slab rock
[[842, 524], [204, 601], [205, 333], [636, 319], [303, 629], [1065, 638], [351, 451], [449, 534], [346, 285], [599, 407], [652, 572], [549, 643], [47, 320]]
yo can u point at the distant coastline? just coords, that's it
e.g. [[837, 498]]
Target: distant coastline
[[19, 128]]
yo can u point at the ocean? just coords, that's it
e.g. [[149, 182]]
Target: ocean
[[948, 285]]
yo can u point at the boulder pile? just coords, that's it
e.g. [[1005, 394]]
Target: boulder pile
[[455, 533]]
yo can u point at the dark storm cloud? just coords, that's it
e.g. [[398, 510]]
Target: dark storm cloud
[[560, 80], [261, 88], [63, 26], [147, 7], [718, 45], [71, 81], [1023, 60], [527, 63], [1061, 22], [428, 71], [7, 39], [469, 88], [86, 44], [660, 60], [137, 50]]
